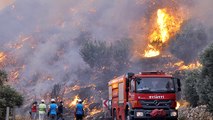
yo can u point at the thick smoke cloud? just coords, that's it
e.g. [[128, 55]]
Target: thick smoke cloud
[[43, 37], [189, 42], [195, 33], [39, 37]]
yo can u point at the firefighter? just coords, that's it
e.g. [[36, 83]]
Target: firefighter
[[33, 112], [60, 111], [53, 110], [42, 110], [79, 110]]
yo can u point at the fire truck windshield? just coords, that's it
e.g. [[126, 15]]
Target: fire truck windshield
[[154, 85]]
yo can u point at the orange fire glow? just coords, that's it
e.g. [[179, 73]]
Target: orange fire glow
[[2, 57], [165, 27], [182, 104], [95, 111], [74, 102], [191, 66]]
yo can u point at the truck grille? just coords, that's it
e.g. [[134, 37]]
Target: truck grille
[[153, 104]]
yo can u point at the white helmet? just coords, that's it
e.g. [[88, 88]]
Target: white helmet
[[79, 100], [52, 100], [42, 100]]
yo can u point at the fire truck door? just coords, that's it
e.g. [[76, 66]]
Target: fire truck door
[[110, 92]]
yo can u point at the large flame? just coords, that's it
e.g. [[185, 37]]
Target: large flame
[[74, 102], [166, 26]]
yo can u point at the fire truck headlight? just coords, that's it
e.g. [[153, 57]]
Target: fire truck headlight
[[139, 114], [173, 113]]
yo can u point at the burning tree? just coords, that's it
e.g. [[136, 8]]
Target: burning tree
[[167, 24]]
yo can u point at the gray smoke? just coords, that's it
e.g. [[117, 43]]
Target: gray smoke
[[189, 42], [42, 38], [195, 33]]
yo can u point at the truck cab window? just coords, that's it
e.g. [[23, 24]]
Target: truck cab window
[[155, 85]]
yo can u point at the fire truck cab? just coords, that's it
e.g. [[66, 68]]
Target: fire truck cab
[[147, 95]]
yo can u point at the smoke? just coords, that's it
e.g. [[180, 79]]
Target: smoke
[[42, 38], [5, 3], [189, 42], [202, 11], [195, 34]]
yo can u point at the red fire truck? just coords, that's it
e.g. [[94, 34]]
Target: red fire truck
[[147, 95]]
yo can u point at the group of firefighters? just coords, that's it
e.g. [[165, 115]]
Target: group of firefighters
[[54, 111]]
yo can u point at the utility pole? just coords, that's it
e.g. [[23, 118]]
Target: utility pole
[[7, 113]]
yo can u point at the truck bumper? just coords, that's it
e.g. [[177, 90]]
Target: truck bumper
[[145, 114]]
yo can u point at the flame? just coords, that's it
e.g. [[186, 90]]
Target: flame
[[181, 104], [95, 111], [191, 66], [166, 26], [2, 57], [177, 105], [152, 52], [74, 102]]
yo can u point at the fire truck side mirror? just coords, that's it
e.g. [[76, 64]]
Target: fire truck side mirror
[[179, 84], [109, 104], [129, 75]]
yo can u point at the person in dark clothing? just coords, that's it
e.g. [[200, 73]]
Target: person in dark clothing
[[79, 111], [60, 111]]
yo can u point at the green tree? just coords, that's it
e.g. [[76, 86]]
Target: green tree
[[106, 60], [205, 88], [189, 86], [96, 54], [8, 96]]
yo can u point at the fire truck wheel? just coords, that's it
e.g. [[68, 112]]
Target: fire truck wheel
[[128, 117], [114, 115]]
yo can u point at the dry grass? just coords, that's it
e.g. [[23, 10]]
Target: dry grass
[[23, 118]]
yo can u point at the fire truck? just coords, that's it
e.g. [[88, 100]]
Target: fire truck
[[142, 96]]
